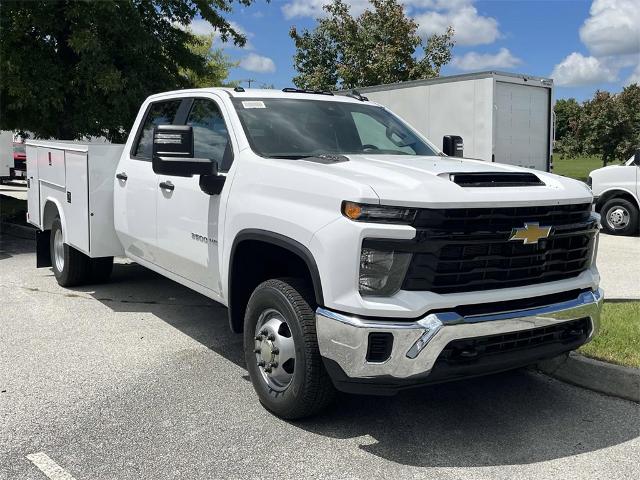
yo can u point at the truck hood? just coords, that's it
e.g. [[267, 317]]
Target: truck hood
[[423, 181]]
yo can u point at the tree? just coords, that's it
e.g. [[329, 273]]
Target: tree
[[81, 68], [216, 64], [377, 47], [567, 127], [629, 107], [567, 113], [608, 125], [602, 119], [612, 124]]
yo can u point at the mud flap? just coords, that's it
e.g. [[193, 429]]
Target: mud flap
[[43, 250]]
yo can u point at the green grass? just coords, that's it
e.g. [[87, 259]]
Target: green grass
[[619, 338], [577, 168]]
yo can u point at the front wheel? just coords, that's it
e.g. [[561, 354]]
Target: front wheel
[[619, 217], [281, 350]]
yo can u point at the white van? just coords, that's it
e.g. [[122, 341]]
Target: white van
[[617, 196]]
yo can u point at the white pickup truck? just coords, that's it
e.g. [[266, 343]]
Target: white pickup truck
[[616, 189], [352, 252]]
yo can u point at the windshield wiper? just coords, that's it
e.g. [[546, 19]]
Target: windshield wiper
[[325, 158]]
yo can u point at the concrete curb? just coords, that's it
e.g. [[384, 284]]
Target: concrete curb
[[614, 380], [20, 231]]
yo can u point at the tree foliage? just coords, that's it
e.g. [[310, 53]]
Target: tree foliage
[[377, 47], [216, 64], [607, 125], [81, 68]]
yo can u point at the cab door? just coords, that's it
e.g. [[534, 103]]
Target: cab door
[[136, 186], [187, 218]]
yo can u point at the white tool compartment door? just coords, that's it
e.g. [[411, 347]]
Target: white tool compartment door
[[77, 200], [522, 125], [33, 185]]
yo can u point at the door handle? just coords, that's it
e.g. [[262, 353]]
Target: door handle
[[122, 176], [167, 185]]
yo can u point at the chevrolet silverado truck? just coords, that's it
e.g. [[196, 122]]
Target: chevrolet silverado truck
[[351, 252], [616, 189]]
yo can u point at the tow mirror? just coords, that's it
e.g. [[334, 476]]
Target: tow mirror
[[173, 153], [452, 145]]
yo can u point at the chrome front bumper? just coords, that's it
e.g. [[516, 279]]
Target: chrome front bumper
[[417, 344]]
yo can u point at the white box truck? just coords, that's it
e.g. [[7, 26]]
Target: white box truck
[[6, 154], [501, 117], [351, 252]]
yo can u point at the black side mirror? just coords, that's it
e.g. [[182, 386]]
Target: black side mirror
[[636, 157], [452, 145], [173, 153]]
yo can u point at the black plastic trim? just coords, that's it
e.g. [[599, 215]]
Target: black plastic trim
[[493, 179], [282, 241]]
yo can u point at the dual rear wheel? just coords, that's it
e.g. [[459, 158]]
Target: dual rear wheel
[[72, 267]]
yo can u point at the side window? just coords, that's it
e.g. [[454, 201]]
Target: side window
[[210, 135], [160, 113]]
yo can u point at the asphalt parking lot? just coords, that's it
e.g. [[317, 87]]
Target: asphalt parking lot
[[141, 378]]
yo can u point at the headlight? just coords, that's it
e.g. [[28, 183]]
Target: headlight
[[361, 212], [382, 272]]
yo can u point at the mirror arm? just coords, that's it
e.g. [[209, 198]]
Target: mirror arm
[[212, 184]]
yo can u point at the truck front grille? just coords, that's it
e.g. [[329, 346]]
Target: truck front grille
[[464, 250]]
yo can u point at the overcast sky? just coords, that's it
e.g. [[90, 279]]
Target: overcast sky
[[583, 45]]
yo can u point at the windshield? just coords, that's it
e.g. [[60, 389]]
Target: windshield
[[297, 128]]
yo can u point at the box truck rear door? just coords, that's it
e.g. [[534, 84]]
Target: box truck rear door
[[522, 125]]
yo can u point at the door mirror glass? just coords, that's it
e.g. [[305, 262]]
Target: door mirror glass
[[173, 153], [173, 141]]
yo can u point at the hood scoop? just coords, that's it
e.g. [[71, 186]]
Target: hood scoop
[[496, 179]]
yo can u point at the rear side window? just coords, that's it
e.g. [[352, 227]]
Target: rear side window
[[160, 113], [210, 135]]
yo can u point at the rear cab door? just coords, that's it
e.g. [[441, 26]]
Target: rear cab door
[[136, 184]]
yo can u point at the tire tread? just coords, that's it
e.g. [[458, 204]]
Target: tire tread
[[319, 391]]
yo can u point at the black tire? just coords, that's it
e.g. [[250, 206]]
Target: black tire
[[310, 389], [615, 209], [101, 269], [76, 265]]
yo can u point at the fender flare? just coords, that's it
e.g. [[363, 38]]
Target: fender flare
[[612, 193], [60, 214], [281, 241], [43, 254]]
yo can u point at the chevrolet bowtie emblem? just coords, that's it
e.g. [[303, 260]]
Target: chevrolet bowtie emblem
[[530, 233]]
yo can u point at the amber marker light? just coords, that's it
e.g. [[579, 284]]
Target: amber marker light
[[351, 210]]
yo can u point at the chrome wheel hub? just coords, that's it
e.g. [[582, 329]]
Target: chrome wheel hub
[[618, 217], [58, 250], [274, 350]]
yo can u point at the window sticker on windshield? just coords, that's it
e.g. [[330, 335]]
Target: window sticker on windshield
[[253, 104]]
